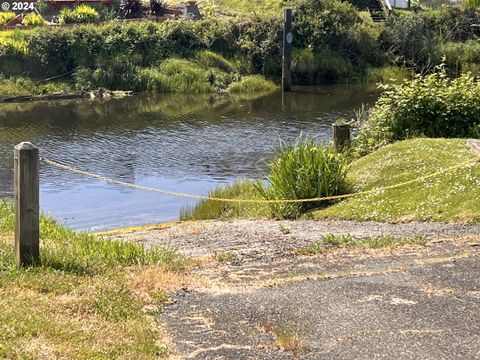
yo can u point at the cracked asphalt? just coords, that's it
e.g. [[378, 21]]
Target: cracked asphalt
[[404, 303]]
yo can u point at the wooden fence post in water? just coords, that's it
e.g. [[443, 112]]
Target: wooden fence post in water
[[287, 51], [27, 217], [341, 135]]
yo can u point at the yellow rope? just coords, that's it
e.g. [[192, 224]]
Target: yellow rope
[[261, 201]]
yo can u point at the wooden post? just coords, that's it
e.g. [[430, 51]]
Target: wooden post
[[341, 135], [287, 51], [27, 217]]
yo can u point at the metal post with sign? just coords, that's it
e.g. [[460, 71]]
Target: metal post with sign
[[287, 51]]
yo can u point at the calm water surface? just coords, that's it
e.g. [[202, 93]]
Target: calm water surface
[[173, 142]]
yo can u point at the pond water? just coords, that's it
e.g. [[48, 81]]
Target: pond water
[[181, 143]]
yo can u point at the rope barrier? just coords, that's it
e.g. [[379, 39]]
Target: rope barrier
[[252, 201]]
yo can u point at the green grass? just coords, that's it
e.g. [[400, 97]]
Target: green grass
[[242, 189], [21, 86], [388, 75], [333, 241], [372, 242], [242, 7], [252, 83], [452, 196], [303, 170], [86, 299]]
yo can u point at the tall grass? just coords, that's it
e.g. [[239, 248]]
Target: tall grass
[[388, 75], [82, 14], [33, 19], [303, 170], [242, 189], [252, 83], [471, 4], [66, 250]]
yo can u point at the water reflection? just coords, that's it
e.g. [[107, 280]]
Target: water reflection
[[176, 142]]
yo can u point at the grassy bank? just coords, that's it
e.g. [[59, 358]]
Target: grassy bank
[[452, 196], [90, 298]]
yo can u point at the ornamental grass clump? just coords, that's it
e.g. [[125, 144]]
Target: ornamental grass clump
[[82, 14], [303, 170], [33, 19], [6, 16]]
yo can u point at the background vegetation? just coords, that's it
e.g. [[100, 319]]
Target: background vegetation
[[335, 41]]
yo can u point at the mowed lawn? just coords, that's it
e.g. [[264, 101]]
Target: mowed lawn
[[451, 196]]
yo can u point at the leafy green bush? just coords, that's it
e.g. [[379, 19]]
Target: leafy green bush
[[303, 170], [334, 30], [458, 55], [81, 14], [6, 16], [33, 19], [432, 106]]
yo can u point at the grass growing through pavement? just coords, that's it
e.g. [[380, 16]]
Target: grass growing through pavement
[[452, 196], [333, 241], [88, 299]]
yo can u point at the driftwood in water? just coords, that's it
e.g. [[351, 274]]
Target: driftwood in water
[[94, 94], [62, 96]]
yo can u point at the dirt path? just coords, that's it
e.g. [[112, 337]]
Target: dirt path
[[259, 298]]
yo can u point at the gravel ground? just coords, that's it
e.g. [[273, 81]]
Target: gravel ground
[[269, 238]]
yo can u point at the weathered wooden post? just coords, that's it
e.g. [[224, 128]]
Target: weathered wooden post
[[287, 51], [27, 217], [341, 135]]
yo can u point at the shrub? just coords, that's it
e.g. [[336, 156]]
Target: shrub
[[33, 19], [336, 28], [303, 170], [458, 54], [260, 41], [252, 83], [432, 106], [82, 14], [6, 16], [412, 40]]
